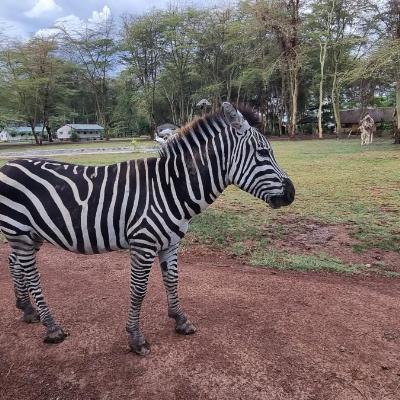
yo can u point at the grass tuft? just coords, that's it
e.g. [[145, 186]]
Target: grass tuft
[[302, 262]]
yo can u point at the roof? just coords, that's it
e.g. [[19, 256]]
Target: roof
[[166, 126], [378, 114], [203, 103], [86, 127], [23, 129]]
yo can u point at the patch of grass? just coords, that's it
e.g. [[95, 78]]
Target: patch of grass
[[337, 182], [391, 274], [239, 249], [302, 262], [222, 229]]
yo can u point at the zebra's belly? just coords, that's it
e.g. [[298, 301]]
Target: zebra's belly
[[89, 251]]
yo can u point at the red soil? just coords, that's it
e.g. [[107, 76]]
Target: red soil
[[262, 334]]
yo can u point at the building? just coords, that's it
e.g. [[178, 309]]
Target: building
[[350, 119], [83, 131], [19, 133], [166, 129]]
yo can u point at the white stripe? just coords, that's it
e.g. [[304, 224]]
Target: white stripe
[[97, 220], [111, 231], [122, 226]]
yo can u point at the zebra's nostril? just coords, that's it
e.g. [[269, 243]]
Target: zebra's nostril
[[289, 190]]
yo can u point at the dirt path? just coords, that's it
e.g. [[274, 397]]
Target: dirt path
[[72, 152], [262, 334]]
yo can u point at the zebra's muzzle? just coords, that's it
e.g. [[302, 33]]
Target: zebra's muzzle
[[286, 198]]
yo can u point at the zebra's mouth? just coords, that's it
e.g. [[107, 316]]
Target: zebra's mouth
[[274, 202], [286, 198]]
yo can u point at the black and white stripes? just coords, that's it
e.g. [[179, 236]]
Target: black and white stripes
[[142, 205]]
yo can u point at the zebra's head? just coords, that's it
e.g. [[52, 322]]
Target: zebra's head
[[253, 167]]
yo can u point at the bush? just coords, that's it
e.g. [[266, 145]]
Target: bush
[[74, 136]]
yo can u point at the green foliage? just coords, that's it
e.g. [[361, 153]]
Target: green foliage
[[74, 136], [172, 58]]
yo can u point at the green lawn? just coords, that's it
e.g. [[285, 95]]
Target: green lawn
[[337, 183]]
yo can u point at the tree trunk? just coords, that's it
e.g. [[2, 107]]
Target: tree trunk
[[322, 57], [293, 111], [32, 124], [49, 134], [397, 127], [238, 94], [46, 126], [336, 112], [336, 103]]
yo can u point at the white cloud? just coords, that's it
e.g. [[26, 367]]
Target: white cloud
[[43, 7], [12, 29], [100, 16], [72, 23]]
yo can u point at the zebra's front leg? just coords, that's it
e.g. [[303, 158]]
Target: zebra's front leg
[[23, 301], [169, 268], [27, 260], [142, 258]]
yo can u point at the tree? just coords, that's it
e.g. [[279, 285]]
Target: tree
[[321, 25], [33, 83], [23, 84], [178, 80], [353, 22], [141, 46], [47, 68], [282, 17], [381, 64], [93, 48], [393, 27]]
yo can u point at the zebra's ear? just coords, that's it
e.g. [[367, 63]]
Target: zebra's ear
[[234, 117]]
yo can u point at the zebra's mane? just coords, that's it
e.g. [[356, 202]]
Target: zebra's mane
[[173, 141]]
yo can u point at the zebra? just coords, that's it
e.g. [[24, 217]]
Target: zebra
[[142, 205]]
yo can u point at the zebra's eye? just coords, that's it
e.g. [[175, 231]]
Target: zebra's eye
[[263, 152]]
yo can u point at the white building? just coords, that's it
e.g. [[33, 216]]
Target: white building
[[19, 133], [84, 131]]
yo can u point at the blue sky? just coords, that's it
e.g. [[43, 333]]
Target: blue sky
[[23, 18]]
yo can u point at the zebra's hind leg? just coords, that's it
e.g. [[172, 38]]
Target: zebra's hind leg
[[25, 250], [169, 268], [23, 301]]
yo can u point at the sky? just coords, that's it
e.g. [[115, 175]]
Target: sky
[[23, 18]]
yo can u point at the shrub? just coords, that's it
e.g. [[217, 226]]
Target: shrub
[[74, 136]]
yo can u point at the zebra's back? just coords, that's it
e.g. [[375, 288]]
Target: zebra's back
[[80, 208]]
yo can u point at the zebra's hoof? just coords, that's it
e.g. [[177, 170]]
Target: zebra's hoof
[[56, 336], [185, 328], [31, 317], [141, 349], [20, 305]]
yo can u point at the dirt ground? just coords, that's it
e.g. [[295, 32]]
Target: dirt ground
[[262, 334], [308, 236]]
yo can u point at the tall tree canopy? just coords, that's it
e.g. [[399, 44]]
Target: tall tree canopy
[[297, 62]]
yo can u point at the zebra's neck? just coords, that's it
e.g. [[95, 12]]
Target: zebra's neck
[[195, 165]]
